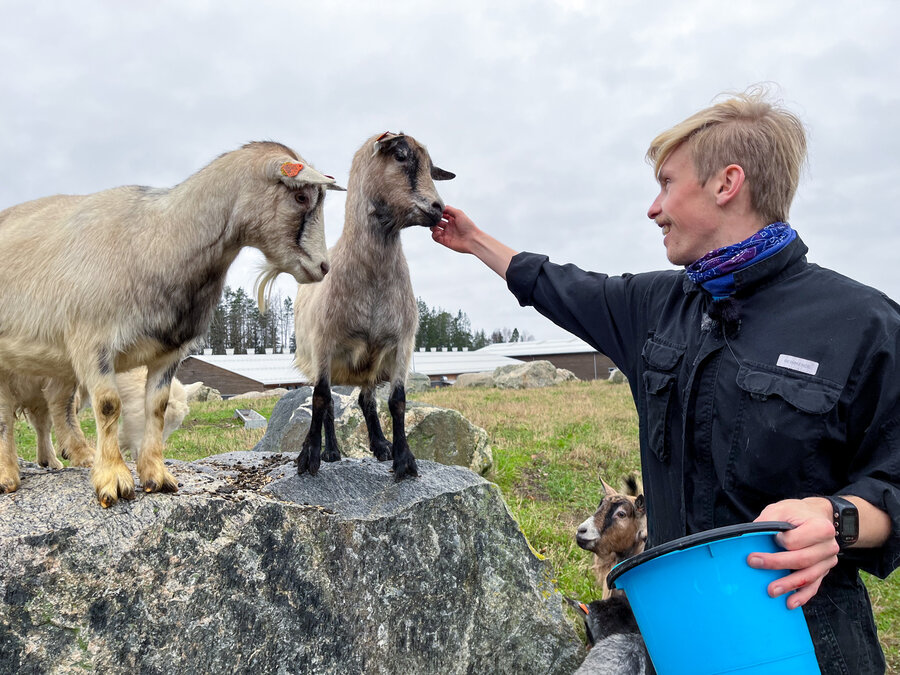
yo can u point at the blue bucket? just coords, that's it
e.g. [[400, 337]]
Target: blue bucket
[[703, 610]]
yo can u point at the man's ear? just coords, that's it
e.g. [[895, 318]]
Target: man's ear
[[729, 183]]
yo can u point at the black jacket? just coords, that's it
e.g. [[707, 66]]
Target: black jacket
[[800, 398]]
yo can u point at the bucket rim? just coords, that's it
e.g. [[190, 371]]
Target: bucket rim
[[697, 539]]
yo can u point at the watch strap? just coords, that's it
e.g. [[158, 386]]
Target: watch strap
[[845, 518]]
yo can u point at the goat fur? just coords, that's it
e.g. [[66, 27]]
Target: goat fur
[[616, 531], [358, 326], [613, 637], [33, 392], [97, 284]]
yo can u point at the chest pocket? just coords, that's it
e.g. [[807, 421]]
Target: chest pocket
[[659, 384], [784, 424]]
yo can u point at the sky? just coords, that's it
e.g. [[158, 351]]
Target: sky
[[543, 110]]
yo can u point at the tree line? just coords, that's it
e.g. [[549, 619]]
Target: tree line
[[239, 325]]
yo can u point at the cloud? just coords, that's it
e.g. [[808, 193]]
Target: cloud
[[543, 109]]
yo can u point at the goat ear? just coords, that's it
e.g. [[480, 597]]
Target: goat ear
[[439, 174], [385, 142], [293, 174], [639, 504]]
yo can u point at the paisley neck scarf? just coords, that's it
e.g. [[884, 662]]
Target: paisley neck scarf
[[715, 271]]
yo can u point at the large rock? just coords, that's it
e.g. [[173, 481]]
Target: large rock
[[475, 380], [433, 433], [616, 376], [197, 391], [251, 568], [531, 374]]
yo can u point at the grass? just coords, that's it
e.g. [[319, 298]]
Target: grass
[[550, 447]]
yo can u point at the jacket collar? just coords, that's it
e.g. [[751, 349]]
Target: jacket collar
[[767, 270]]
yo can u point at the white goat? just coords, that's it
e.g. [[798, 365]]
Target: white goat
[[358, 326], [131, 386], [96, 284], [616, 531]]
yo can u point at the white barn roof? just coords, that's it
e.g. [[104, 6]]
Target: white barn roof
[[571, 345], [272, 369], [268, 369], [453, 363]]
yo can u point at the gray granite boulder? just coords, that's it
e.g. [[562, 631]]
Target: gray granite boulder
[[484, 379], [531, 375], [251, 568], [433, 433], [197, 391], [616, 376]]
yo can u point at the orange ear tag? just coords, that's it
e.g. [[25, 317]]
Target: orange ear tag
[[290, 169]]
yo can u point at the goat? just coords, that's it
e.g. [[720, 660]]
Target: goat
[[358, 326], [33, 395], [616, 531], [131, 386], [613, 637], [97, 284]]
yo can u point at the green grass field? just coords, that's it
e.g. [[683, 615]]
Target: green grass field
[[550, 447]]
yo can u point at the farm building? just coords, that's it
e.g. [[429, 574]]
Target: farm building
[[234, 374], [570, 353]]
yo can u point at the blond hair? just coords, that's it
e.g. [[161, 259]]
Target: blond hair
[[761, 136]]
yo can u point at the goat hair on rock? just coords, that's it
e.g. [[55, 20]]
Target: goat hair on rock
[[358, 327], [97, 284], [616, 531]]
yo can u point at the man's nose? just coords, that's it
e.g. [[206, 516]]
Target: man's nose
[[654, 209]]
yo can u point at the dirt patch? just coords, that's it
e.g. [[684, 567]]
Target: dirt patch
[[248, 478]]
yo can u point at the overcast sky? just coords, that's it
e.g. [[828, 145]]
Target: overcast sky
[[544, 110]]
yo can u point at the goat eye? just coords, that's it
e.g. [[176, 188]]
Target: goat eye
[[301, 198], [400, 155]]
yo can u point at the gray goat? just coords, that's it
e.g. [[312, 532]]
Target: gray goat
[[96, 284], [358, 327]]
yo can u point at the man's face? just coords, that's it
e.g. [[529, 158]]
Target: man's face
[[686, 211]]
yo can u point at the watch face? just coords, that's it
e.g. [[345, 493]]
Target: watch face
[[850, 522]]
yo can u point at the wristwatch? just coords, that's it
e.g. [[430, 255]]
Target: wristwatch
[[845, 517]]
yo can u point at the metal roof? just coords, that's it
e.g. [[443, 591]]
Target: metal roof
[[453, 363], [571, 345], [271, 369], [266, 369]]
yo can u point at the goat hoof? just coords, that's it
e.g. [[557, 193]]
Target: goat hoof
[[404, 468], [8, 486], [382, 452], [306, 465], [161, 481], [331, 456]]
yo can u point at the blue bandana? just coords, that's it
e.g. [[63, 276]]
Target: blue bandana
[[715, 271]]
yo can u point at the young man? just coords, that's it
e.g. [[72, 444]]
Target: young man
[[767, 388]]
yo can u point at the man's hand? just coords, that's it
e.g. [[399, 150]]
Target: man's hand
[[454, 231], [811, 548]]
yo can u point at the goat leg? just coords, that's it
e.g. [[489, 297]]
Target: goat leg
[[111, 478], [332, 452], [404, 462], [378, 444], [151, 468], [39, 416], [310, 457], [72, 444], [9, 461]]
